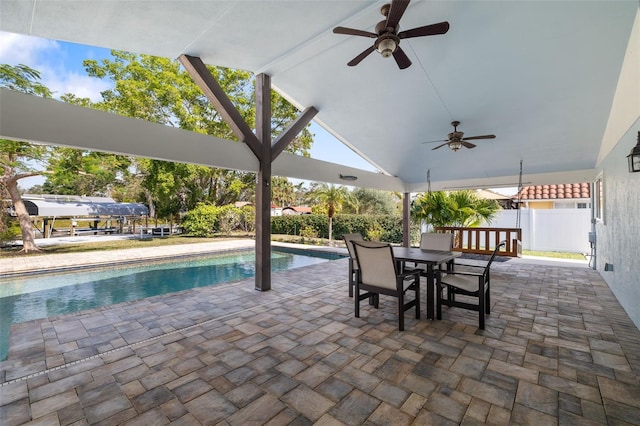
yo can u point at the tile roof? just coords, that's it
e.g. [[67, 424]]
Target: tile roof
[[554, 192]]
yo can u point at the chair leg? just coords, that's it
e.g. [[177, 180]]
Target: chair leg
[[401, 311], [481, 303], [438, 300], [488, 305], [356, 300], [352, 279], [417, 297]]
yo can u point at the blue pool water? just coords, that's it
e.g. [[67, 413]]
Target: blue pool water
[[36, 296]]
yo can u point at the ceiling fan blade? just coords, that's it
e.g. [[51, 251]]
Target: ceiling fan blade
[[401, 58], [355, 61], [471, 138], [395, 13], [427, 30], [353, 31], [440, 140], [440, 146], [468, 144]]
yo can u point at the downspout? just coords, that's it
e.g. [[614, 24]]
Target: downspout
[[592, 234]]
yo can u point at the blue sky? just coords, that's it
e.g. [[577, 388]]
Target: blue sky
[[61, 70]]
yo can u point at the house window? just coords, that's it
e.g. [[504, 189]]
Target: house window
[[583, 205], [598, 198]]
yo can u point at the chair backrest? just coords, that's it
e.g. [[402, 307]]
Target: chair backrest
[[441, 241], [376, 262], [348, 238], [493, 256]]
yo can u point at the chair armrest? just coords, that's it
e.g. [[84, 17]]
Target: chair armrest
[[407, 273], [471, 274], [468, 265]]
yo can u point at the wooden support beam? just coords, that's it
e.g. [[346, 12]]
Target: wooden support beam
[[263, 184], [285, 138], [212, 90], [406, 219], [260, 145]]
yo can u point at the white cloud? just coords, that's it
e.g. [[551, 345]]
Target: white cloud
[[48, 57], [82, 86], [20, 49]]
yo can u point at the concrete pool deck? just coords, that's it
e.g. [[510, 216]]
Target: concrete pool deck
[[47, 262], [558, 349]]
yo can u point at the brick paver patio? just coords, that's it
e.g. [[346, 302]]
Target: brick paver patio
[[557, 349]]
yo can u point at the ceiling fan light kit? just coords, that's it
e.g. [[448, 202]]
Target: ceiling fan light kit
[[386, 46], [455, 146], [388, 36]]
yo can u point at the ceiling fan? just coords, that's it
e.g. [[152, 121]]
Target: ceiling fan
[[456, 139], [388, 36]]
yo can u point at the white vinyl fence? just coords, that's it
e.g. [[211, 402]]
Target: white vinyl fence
[[549, 229]]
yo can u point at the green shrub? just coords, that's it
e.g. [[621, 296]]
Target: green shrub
[[9, 230], [231, 218], [375, 233], [308, 232], [246, 219], [206, 219], [202, 221]]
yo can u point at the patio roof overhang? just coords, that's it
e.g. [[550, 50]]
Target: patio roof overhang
[[542, 76]]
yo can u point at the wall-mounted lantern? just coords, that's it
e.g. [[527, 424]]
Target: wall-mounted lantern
[[634, 157]]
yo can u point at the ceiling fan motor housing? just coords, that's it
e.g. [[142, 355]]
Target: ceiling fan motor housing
[[455, 136]]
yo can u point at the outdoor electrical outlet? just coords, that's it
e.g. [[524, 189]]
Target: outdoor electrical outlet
[[608, 267]]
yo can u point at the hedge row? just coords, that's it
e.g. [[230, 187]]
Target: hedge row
[[372, 227], [206, 220]]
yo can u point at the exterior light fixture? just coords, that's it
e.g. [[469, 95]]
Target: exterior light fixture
[[634, 157], [348, 177]]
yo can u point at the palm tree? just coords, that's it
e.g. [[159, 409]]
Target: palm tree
[[332, 198], [455, 208]]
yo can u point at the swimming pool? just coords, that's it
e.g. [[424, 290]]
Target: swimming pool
[[34, 296]]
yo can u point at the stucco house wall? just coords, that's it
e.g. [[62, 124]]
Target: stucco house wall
[[618, 233]]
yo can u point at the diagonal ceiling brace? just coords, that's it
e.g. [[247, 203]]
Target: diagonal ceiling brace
[[283, 140], [212, 90]]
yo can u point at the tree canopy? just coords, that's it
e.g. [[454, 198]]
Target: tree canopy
[[161, 91]]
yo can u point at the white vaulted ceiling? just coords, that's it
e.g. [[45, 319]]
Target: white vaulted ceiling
[[540, 75]]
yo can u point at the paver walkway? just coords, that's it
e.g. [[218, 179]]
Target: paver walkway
[[558, 349]]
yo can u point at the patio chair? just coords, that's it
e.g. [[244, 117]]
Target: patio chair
[[441, 241], [378, 275], [471, 284], [434, 241], [353, 264]]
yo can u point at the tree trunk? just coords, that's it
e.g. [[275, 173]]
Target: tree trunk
[[152, 207], [28, 242], [330, 228]]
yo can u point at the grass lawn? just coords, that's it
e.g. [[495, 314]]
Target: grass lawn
[[117, 245], [554, 254]]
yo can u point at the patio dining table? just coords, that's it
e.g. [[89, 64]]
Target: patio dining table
[[431, 259]]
